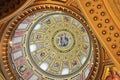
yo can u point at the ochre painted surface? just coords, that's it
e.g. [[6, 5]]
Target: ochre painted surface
[[106, 27]]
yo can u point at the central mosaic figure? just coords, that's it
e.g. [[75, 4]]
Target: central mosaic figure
[[63, 40]]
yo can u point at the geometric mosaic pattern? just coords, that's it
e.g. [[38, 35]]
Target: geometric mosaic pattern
[[51, 45]]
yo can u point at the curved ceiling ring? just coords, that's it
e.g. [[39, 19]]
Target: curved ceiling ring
[[16, 21], [104, 26]]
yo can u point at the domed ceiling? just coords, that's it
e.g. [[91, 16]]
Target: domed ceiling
[[58, 40], [51, 45]]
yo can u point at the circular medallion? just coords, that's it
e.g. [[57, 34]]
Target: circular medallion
[[51, 44], [63, 40], [58, 44]]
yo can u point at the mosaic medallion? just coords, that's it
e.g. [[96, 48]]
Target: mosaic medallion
[[51, 44], [63, 40]]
